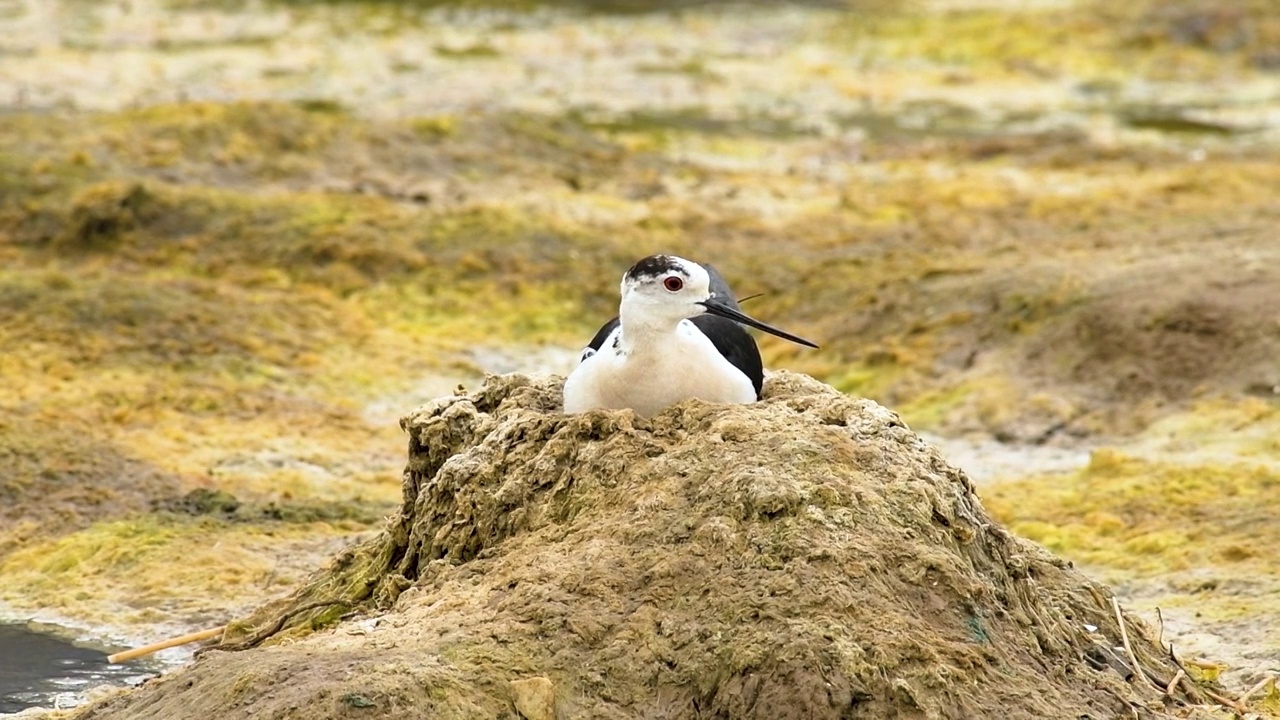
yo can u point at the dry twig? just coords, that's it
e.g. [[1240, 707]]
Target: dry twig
[[1236, 705], [1128, 649], [1226, 702], [1174, 682], [165, 644], [1261, 684], [1188, 687], [273, 628]]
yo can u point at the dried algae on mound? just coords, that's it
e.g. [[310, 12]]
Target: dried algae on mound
[[804, 557]]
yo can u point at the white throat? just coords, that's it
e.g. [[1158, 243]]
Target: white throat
[[643, 331], [643, 320]]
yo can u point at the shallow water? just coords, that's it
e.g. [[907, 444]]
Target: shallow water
[[39, 668]]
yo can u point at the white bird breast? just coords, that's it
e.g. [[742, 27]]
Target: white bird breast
[[655, 374]]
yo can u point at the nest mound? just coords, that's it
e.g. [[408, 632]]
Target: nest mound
[[803, 557]]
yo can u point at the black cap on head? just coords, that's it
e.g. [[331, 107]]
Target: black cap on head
[[654, 266]]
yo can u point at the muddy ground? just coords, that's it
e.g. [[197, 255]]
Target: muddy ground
[[804, 557], [238, 239]]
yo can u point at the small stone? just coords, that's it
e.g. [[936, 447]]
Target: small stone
[[534, 698]]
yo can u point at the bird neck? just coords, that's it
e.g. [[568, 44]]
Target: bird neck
[[643, 329]]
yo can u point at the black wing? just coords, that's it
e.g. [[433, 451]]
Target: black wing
[[735, 344], [603, 334], [731, 339], [719, 288]]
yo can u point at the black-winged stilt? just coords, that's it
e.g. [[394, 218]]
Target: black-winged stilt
[[677, 336]]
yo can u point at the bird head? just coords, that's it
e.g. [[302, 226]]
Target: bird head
[[661, 290]]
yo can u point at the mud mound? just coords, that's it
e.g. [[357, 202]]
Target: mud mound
[[1168, 331], [805, 557]]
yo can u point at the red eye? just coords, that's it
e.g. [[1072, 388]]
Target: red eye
[[673, 284]]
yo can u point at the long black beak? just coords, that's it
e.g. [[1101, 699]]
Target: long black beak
[[716, 308]]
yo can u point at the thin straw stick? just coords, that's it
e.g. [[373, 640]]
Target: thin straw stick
[[1124, 637], [1253, 690], [165, 644]]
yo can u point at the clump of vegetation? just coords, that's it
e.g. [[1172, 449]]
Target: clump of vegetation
[[772, 560], [1149, 518], [1192, 539], [1098, 40], [148, 571]]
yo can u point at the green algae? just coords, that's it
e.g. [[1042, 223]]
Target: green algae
[[226, 506], [693, 120], [1247, 429], [1189, 540], [266, 139], [1091, 39], [624, 7], [152, 568], [435, 127], [61, 474], [490, 270], [929, 410], [479, 50], [1149, 518]]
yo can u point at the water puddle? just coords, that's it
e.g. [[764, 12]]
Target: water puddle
[[40, 667]]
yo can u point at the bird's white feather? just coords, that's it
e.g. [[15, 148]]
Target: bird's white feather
[[649, 370]]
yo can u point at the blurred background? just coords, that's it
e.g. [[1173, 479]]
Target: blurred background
[[240, 238]]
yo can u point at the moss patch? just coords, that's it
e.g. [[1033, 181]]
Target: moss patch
[[155, 570], [1192, 539], [1148, 518]]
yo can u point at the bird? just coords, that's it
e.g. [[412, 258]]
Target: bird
[[679, 334]]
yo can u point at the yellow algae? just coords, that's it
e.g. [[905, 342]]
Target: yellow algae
[[1189, 542], [273, 458], [929, 409], [266, 136], [1147, 517], [435, 127], [153, 569], [1248, 428], [1095, 39], [861, 379]]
